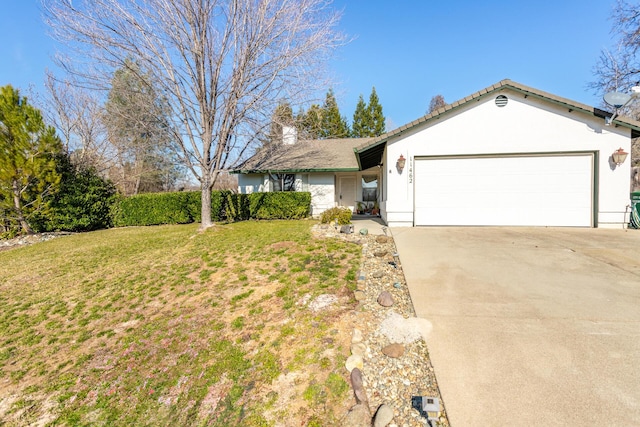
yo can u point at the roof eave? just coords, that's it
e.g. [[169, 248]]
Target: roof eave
[[301, 170]]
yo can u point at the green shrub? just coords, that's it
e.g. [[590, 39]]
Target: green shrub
[[185, 207], [82, 203], [281, 205], [343, 215], [194, 205], [154, 209], [233, 207]]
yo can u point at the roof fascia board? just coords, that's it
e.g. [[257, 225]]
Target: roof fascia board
[[247, 171], [355, 152]]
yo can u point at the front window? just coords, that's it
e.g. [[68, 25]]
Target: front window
[[369, 188], [283, 182]]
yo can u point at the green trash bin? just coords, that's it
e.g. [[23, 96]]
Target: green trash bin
[[635, 210]]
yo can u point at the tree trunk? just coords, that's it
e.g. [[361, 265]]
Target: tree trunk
[[18, 207], [205, 214], [136, 187]]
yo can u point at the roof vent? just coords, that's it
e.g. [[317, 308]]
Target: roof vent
[[501, 100]]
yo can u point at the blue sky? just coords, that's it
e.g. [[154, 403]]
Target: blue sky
[[409, 50]]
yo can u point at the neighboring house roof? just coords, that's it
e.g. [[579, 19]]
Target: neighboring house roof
[[305, 156], [370, 153]]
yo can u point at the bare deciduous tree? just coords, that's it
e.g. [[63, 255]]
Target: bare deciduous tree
[[436, 102], [76, 113], [619, 70], [222, 65]]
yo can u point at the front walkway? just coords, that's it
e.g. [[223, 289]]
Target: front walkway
[[373, 224]]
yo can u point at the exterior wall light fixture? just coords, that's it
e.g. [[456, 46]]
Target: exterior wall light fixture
[[619, 156], [400, 163]]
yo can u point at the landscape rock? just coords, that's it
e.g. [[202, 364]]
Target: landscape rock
[[382, 239], [358, 386], [380, 254], [354, 361], [359, 295], [358, 416], [356, 336], [394, 350], [31, 239], [322, 301], [385, 299], [384, 415], [358, 349], [388, 380], [346, 229], [398, 329]]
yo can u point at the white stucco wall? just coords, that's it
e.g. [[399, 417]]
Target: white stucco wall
[[322, 189], [251, 183], [524, 125], [320, 185]]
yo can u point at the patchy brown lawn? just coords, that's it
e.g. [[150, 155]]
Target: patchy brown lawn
[[168, 326]]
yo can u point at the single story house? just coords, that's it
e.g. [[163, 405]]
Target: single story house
[[508, 155]]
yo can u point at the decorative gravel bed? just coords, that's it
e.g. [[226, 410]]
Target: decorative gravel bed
[[29, 239], [406, 371]]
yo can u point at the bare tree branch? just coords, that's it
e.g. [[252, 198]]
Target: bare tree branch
[[222, 64]]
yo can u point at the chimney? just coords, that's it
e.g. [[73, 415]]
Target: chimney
[[289, 135]]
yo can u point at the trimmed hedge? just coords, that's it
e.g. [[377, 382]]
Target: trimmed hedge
[[157, 208], [285, 205], [184, 207]]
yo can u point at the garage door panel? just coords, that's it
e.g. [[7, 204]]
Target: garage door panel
[[535, 190]]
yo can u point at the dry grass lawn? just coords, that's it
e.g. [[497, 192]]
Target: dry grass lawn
[[167, 326]]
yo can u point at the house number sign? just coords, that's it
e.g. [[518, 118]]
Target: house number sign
[[410, 170]]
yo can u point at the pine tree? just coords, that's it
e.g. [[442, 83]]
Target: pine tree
[[310, 123], [27, 159], [333, 124], [137, 123], [375, 113], [282, 117], [368, 120], [361, 120]]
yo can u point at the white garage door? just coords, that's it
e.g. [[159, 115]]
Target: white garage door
[[544, 190]]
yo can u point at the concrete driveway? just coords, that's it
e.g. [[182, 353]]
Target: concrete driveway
[[531, 326]]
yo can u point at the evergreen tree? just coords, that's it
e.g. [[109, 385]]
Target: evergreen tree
[[137, 124], [361, 120], [368, 120], [375, 113], [310, 123], [282, 117], [333, 124], [27, 160]]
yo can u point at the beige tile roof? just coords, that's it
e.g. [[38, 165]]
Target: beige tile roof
[[306, 155]]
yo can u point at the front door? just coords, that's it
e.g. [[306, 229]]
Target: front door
[[347, 191]]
